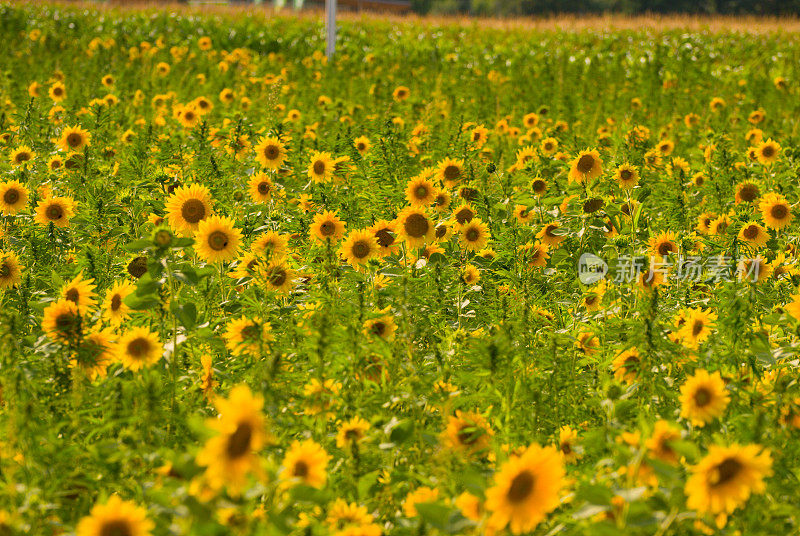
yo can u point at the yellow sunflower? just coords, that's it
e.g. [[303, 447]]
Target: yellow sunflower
[[775, 211], [450, 172], [270, 152], [80, 291], [414, 226], [57, 92], [697, 327], [327, 227], [526, 488], [321, 167], [627, 176], [187, 207], [359, 247], [217, 240], [420, 192], [231, 455], [305, 463], [362, 145], [627, 365], [467, 431], [587, 165], [724, 480], [74, 139], [115, 517], [663, 244], [767, 152], [138, 348], [350, 432], [13, 197], [659, 443], [382, 327], [62, 322], [275, 276], [271, 245], [21, 155], [568, 444], [94, 354], [114, 308], [260, 188], [247, 337], [474, 235], [754, 234], [10, 270], [703, 398], [55, 210]]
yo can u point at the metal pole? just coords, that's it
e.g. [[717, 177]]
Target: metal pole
[[330, 24]]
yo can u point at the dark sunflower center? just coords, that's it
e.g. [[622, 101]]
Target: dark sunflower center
[[301, 469], [116, 302], [749, 192], [263, 188], [193, 211], [250, 332], [464, 215], [441, 231], [750, 232], [74, 140], [277, 277], [54, 212], [327, 228], [421, 192], [65, 321], [11, 196], [548, 231], [591, 300], [626, 175], [548, 146], [727, 471], [539, 186], [521, 487], [566, 448], [137, 267], [271, 152], [361, 146], [472, 234], [416, 225], [360, 249], [593, 205], [352, 434], [239, 441], [218, 240], [73, 295], [189, 115], [116, 527], [138, 348], [468, 435], [697, 327], [702, 397], [452, 172], [319, 167], [385, 238], [585, 163], [378, 328], [779, 212], [57, 91], [665, 248], [768, 151]]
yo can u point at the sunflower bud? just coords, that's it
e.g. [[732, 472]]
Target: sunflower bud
[[163, 238], [491, 167]]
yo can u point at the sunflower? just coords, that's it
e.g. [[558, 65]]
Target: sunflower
[[352, 431], [359, 247], [57, 92], [114, 308], [270, 152], [217, 240], [271, 245], [775, 211], [260, 187], [10, 270], [327, 227], [442, 201], [473, 235], [450, 172], [467, 431], [13, 197], [627, 176], [587, 165], [232, 454], [137, 267], [94, 354], [138, 347], [385, 233], [526, 488], [74, 139], [421, 495], [767, 152], [321, 167], [479, 136], [697, 327], [663, 244], [747, 192], [536, 253], [626, 365], [754, 234], [55, 210], [651, 278], [726, 477], [188, 116], [401, 93], [382, 327], [305, 463], [80, 291], [247, 337], [719, 225], [568, 444], [666, 147], [659, 443], [414, 226], [115, 517], [62, 321], [342, 515], [470, 275], [362, 145], [548, 146], [420, 192], [443, 231], [275, 276], [187, 207], [524, 214], [20, 155], [703, 398], [753, 270]]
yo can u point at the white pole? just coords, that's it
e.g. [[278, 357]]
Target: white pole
[[330, 24]]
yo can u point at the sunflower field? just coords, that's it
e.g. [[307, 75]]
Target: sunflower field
[[460, 278]]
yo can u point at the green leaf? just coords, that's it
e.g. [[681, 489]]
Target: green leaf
[[595, 494], [138, 245]]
